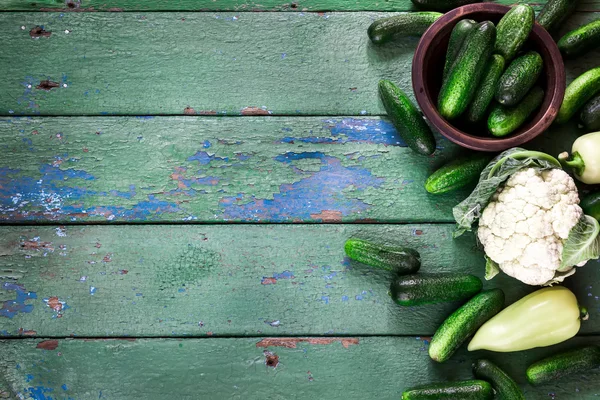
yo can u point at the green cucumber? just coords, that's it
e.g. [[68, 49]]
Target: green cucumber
[[465, 390], [580, 41], [400, 260], [555, 12], [563, 364], [513, 30], [406, 24], [413, 290], [464, 322], [590, 203], [442, 5], [579, 92], [505, 120], [464, 76], [406, 118], [457, 173], [590, 114], [457, 38], [519, 78], [487, 89], [504, 386]]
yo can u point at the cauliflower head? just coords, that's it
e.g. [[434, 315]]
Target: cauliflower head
[[524, 226]]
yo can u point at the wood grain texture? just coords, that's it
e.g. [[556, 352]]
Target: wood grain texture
[[194, 63], [311, 368]]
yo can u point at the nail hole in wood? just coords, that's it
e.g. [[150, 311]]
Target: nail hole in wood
[[47, 85], [38, 32]]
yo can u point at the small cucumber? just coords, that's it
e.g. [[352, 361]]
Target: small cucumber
[[590, 203], [413, 290], [464, 322], [579, 92], [406, 24], [563, 364], [555, 12], [457, 173], [504, 386], [581, 40], [396, 259], [464, 76], [505, 120], [487, 89], [513, 30], [406, 118], [457, 38], [465, 390], [590, 114], [519, 78], [442, 5]]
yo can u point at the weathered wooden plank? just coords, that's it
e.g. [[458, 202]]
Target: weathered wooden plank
[[227, 280], [288, 368], [226, 63]]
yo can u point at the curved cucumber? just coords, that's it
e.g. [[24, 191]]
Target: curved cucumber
[[513, 30], [487, 89], [457, 38], [563, 364], [582, 89], [413, 290], [465, 390], [464, 322], [406, 118], [407, 24], [590, 203], [590, 114], [505, 120], [504, 386], [555, 12], [519, 78], [457, 173], [581, 40], [442, 5], [397, 259]]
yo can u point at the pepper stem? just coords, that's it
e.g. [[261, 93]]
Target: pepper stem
[[584, 313], [576, 162]]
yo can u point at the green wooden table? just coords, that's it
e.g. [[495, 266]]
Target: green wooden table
[[177, 180]]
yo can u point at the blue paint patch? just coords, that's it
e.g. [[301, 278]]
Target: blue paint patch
[[206, 144], [4, 332], [145, 117], [181, 290], [28, 378], [344, 298], [284, 275], [243, 156], [64, 386], [204, 158], [325, 299], [39, 393], [10, 308], [93, 290]]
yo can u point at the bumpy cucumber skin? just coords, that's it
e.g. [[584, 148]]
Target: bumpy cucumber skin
[[464, 76], [457, 38], [457, 173], [579, 92], [504, 386], [590, 203], [519, 78], [441, 5], [555, 12], [487, 89], [408, 24], [563, 364], [505, 120], [590, 114], [413, 290], [513, 30], [580, 41], [396, 259], [464, 322], [465, 390], [406, 118]]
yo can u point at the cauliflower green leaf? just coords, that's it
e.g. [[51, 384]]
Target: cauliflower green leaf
[[582, 244], [491, 268]]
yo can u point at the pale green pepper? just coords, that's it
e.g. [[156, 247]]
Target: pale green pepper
[[543, 318], [585, 159]]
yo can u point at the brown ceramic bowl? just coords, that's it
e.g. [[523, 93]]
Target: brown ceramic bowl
[[428, 64]]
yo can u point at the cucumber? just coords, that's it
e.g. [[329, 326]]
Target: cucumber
[[457, 38], [579, 92], [465, 390], [505, 120], [406, 118], [519, 78], [590, 114], [504, 386], [580, 41], [396, 259], [457, 173], [413, 290], [465, 74], [441, 5], [464, 322], [487, 89], [590, 203], [513, 30], [555, 12], [563, 364], [406, 24]]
